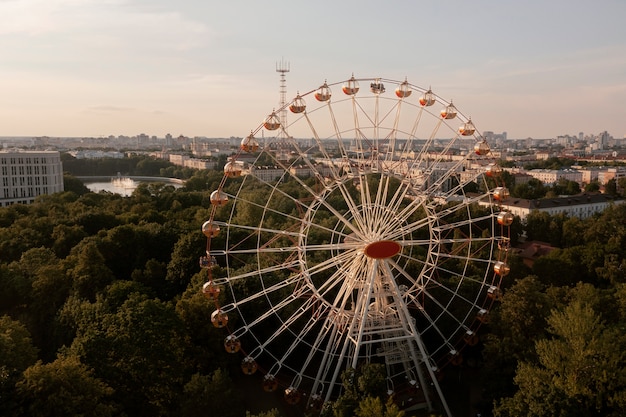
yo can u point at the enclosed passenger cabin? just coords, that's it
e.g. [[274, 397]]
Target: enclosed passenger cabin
[[249, 144], [233, 169], [209, 229], [449, 112], [219, 318], [323, 93], [427, 99], [292, 396], [298, 105], [377, 87], [471, 338], [455, 357], [218, 198], [351, 87], [272, 122], [403, 90], [494, 293], [211, 291], [270, 383], [505, 218], [481, 148], [493, 170], [467, 129], [483, 316], [501, 193], [249, 365], [501, 268], [315, 402], [232, 344]]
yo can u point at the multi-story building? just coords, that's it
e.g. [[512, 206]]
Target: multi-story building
[[28, 174], [552, 176], [581, 206]]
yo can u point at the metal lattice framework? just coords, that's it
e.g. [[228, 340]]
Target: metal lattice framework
[[360, 244]]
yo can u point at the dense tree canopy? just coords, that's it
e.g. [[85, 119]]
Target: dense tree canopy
[[104, 291]]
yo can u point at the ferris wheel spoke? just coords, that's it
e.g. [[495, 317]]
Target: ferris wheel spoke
[[353, 206], [301, 337], [380, 208], [462, 257], [332, 337], [338, 282], [293, 280], [254, 230], [325, 203], [406, 229], [304, 308], [457, 225], [269, 270], [336, 130], [395, 201], [412, 296], [412, 243], [442, 308], [266, 210]]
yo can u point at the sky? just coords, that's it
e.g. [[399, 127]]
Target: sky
[[532, 68]]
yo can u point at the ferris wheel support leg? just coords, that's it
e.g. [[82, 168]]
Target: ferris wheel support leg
[[361, 316], [433, 378], [422, 352]]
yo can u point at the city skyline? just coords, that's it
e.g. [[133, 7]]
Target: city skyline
[[125, 67]]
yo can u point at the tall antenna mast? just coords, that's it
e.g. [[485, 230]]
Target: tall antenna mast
[[282, 68]]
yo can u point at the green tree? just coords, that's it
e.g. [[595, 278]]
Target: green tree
[[64, 387], [579, 371], [73, 184], [215, 392], [66, 237], [592, 187], [538, 226], [565, 187], [194, 310], [87, 268], [610, 187], [531, 190], [139, 350], [369, 381], [573, 232], [17, 353], [185, 255], [621, 186], [373, 407], [271, 413], [517, 322]]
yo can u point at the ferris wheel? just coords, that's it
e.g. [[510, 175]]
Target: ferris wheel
[[367, 229]]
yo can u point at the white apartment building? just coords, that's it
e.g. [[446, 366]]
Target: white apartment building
[[268, 173], [581, 206], [611, 174], [28, 174], [552, 176]]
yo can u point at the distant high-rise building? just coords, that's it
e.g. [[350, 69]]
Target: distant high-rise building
[[603, 139], [28, 174]]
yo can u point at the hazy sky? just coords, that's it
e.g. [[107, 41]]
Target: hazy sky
[[532, 68]]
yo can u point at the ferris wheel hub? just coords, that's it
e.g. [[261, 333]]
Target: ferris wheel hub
[[382, 249]]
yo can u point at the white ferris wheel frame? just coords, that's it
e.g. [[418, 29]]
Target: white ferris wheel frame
[[383, 275]]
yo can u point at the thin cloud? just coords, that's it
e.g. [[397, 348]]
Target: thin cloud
[[110, 109]]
